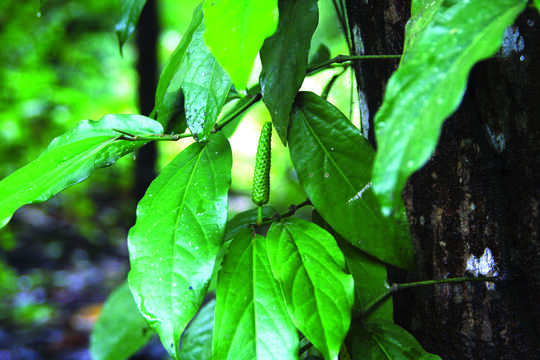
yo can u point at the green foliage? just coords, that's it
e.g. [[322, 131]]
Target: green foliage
[[284, 58], [382, 339], [430, 82], [251, 320], [307, 276], [235, 31], [130, 10], [71, 158], [176, 239], [310, 269], [120, 330], [333, 161]]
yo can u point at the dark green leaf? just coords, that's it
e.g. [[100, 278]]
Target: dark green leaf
[[333, 162], [235, 31], [71, 158], [130, 10], [193, 73], [284, 58], [369, 274], [321, 55], [176, 239], [251, 318], [381, 339], [430, 82], [120, 330], [309, 267], [197, 339], [245, 219]]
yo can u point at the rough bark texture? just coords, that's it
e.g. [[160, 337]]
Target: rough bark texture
[[480, 190]]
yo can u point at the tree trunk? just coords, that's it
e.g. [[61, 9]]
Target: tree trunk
[[480, 191], [147, 68]]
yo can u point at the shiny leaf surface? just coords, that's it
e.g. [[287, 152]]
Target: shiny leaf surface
[[430, 82], [120, 330], [197, 339], [251, 318], [130, 10], [382, 339], [310, 269], [235, 31], [194, 76], [178, 234], [71, 158], [333, 162], [284, 58]]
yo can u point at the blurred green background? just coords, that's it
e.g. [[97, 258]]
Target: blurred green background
[[59, 64]]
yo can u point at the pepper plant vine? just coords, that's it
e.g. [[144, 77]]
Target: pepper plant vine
[[292, 293]]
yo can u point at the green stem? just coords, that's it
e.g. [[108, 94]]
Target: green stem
[[152, 137], [259, 215], [238, 112], [343, 58], [396, 287]]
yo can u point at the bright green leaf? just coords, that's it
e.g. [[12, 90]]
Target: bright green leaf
[[310, 269], [369, 274], [197, 339], [192, 82], [381, 339], [130, 10], [235, 31], [71, 158], [537, 3], [245, 219], [251, 320], [120, 330], [333, 162], [429, 84], [284, 58], [176, 239]]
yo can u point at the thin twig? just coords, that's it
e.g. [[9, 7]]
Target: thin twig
[[238, 112], [343, 58], [151, 137]]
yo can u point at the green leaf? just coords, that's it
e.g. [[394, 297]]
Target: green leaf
[[429, 84], [251, 320], [309, 267], [320, 55], [235, 31], [284, 58], [537, 3], [130, 11], [176, 239], [382, 339], [71, 158], [333, 162], [194, 77], [369, 274], [245, 219], [197, 339], [120, 330]]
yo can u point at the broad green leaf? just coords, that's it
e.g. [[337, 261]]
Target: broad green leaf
[[245, 219], [130, 10], [422, 13], [284, 58], [537, 3], [176, 239], [194, 76], [197, 339], [381, 339], [429, 84], [251, 320], [235, 31], [120, 330], [71, 158], [333, 162], [369, 274], [310, 268]]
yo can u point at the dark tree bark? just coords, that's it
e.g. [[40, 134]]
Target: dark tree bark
[[480, 190], [147, 68]]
